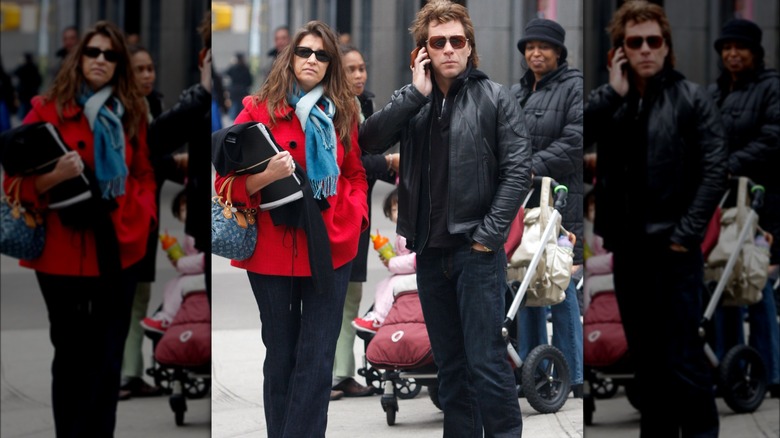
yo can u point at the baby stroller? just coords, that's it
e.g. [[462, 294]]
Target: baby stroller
[[544, 375], [402, 349], [181, 362], [740, 376]]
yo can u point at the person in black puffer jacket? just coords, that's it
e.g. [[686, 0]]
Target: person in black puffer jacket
[[660, 174], [550, 94], [748, 95]]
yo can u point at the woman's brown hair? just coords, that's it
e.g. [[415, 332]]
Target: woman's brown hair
[[70, 79], [281, 81]]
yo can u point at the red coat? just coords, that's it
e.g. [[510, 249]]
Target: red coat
[[346, 218], [71, 252]]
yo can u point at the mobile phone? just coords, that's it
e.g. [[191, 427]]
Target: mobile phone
[[414, 56], [611, 54]]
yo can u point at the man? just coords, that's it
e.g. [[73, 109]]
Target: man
[[281, 40], [240, 83], [661, 172], [465, 168], [70, 39]]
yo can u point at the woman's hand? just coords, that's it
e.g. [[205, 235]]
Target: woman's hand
[[68, 166], [421, 76], [279, 166]]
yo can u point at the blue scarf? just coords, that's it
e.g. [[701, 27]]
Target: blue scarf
[[104, 114], [317, 124]]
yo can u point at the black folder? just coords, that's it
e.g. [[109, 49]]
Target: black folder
[[246, 149], [33, 149]]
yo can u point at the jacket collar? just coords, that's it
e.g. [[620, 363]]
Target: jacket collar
[[528, 79]]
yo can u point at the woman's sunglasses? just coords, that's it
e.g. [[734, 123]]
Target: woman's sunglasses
[[457, 41], [109, 55], [635, 42], [305, 52]]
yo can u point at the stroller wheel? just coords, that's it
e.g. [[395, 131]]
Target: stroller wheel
[[196, 387], [406, 389], [744, 379], [162, 377], [373, 378], [603, 388], [178, 406], [545, 379], [589, 405]]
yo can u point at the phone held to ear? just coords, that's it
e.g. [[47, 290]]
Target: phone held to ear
[[414, 56], [611, 54]]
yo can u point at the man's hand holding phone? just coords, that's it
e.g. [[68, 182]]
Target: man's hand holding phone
[[421, 75], [617, 64]]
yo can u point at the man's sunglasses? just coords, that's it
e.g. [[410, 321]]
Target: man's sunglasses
[[109, 55], [635, 42], [305, 52], [438, 42]]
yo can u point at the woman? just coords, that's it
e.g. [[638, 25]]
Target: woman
[[550, 93], [378, 167], [86, 272], [165, 167], [301, 307], [748, 95]]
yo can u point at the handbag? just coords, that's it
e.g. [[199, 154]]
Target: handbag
[[22, 233], [553, 272], [749, 275], [233, 231]]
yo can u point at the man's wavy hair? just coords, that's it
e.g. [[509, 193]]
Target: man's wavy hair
[[443, 11], [70, 79], [281, 81], [640, 11]]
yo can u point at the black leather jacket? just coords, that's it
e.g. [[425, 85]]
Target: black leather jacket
[[490, 158], [661, 166]]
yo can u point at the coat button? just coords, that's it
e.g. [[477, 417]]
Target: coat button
[[81, 144], [293, 145]]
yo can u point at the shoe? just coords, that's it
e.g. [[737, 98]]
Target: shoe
[[335, 395], [137, 387], [155, 325], [124, 394], [365, 325], [577, 390], [352, 388]]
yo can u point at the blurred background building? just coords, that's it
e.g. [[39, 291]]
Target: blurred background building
[[380, 30], [167, 28]]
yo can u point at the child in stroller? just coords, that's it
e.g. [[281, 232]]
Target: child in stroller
[[402, 274], [189, 262], [181, 328]]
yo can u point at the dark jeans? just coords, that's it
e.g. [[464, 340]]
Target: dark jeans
[[661, 305], [462, 293], [299, 328], [89, 319]]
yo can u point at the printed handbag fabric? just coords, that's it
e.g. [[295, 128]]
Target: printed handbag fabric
[[553, 273], [233, 232], [22, 232], [749, 275]]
